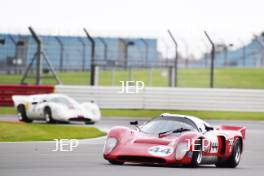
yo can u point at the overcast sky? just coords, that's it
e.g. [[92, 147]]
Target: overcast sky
[[228, 21]]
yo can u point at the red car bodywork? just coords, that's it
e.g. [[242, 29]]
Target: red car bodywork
[[134, 145]]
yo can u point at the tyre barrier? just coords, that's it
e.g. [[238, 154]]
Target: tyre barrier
[[8, 90]]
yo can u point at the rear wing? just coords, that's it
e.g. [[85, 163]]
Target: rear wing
[[242, 130], [24, 99], [20, 99]]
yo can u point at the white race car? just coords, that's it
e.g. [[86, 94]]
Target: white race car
[[55, 107]]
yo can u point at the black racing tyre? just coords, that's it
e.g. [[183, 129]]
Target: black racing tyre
[[88, 122], [234, 159], [48, 116], [22, 116], [116, 162], [197, 155]]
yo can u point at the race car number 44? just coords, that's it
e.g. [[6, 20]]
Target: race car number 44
[[160, 150]]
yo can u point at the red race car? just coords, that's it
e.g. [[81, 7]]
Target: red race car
[[176, 140]]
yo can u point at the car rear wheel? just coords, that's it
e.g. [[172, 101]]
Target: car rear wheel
[[48, 116], [116, 162], [22, 115], [234, 159]]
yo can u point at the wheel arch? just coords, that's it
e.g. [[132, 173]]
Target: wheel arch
[[223, 143], [21, 105], [119, 132], [46, 108]]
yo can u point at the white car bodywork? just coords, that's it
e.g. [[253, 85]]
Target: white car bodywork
[[62, 107]]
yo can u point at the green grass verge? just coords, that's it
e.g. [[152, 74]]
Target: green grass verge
[[154, 113], [18, 131], [7, 110], [200, 114], [195, 77]]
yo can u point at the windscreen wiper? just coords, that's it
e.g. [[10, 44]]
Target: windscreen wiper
[[179, 130]]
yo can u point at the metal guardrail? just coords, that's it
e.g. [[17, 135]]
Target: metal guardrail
[[244, 100]]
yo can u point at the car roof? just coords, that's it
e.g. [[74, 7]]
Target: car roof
[[198, 122]]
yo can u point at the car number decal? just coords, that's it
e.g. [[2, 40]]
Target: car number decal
[[214, 142], [214, 147], [160, 150]]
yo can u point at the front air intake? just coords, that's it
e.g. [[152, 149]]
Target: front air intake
[[142, 159]]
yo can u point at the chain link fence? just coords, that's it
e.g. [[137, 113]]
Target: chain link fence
[[118, 59]]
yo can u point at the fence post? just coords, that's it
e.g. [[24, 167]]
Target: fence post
[[92, 67], [83, 53], [38, 55], [126, 44], [212, 60], [175, 59], [61, 52]]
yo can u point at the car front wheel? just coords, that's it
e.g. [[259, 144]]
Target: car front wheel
[[48, 116], [88, 122]]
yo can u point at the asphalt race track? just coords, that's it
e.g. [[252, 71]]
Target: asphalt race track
[[37, 158]]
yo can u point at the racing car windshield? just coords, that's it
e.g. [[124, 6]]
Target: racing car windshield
[[161, 125]]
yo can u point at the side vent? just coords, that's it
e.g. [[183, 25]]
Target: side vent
[[222, 142]]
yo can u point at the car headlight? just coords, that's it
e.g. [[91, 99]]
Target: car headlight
[[181, 150], [110, 144]]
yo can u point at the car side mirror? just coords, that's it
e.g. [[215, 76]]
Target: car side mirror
[[34, 103], [134, 123]]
